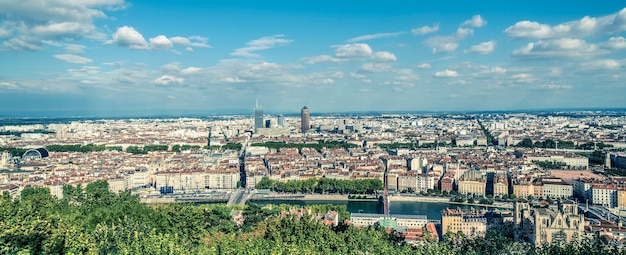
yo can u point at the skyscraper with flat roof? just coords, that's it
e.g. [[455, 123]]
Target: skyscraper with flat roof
[[305, 117], [258, 116]]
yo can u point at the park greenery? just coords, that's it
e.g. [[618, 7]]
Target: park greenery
[[323, 186], [490, 138], [394, 146], [81, 148], [317, 146], [93, 220], [18, 152], [552, 144], [227, 146]]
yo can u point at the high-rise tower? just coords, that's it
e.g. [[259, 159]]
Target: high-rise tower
[[258, 116], [281, 120], [306, 119]]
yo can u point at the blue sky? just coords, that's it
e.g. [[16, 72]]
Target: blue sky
[[116, 57]]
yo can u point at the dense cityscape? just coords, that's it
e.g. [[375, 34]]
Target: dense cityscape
[[552, 176], [325, 127]]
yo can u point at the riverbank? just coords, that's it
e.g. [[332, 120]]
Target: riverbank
[[332, 197], [335, 197], [445, 200]]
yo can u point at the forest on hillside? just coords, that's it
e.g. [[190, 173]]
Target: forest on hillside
[[93, 220]]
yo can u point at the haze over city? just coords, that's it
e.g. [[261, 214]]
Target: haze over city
[[111, 57]]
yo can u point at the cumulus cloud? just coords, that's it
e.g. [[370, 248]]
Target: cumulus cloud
[[373, 36], [424, 66], [52, 20], [482, 48], [523, 78], [73, 58], [616, 43], [495, 70], [446, 73], [22, 43], [128, 37], [444, 44], [160, 42], [425, 29], [167, 80], [586, 26], [194, 41], [263, 43], [607, 64], [476, 21], [374, 67], [353, 50], [383, 56], [557, 48]]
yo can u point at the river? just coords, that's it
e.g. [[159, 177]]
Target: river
[[431, 210]]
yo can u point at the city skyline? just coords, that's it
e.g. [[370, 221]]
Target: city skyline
[[112, 57]]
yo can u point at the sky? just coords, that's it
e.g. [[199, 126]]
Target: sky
[[117, 57]]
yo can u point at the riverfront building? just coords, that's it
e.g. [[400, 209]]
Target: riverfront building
[[471, 223]]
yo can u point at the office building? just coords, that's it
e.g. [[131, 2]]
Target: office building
[[305, 116], [258, 116], [281, 120]]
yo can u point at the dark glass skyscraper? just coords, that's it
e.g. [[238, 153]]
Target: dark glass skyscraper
[[258, 116], [305, 117]]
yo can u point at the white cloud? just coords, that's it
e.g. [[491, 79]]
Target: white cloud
[[167, 80], [191, 70], [374, 67], [607, 64], [337, 75], [354, 50], [442, 44], [424, 66], [73, 58], [553, 86], [616, 43], [495, 70], [482, 48], [425, 29], [22, 43], [358, 76], [557, 48], [160, 43], [322, 58], [373, 36], [195, 41], [128, 37], [463, 32], [446, 73], [75, 48], [476, 21], [263, 43], [52, 20], [5, 33], [383, 56], [232, 80], [586, 26], [8, 85], [523, 78]]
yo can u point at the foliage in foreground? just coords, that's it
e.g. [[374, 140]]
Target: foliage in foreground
[[92, 220]]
